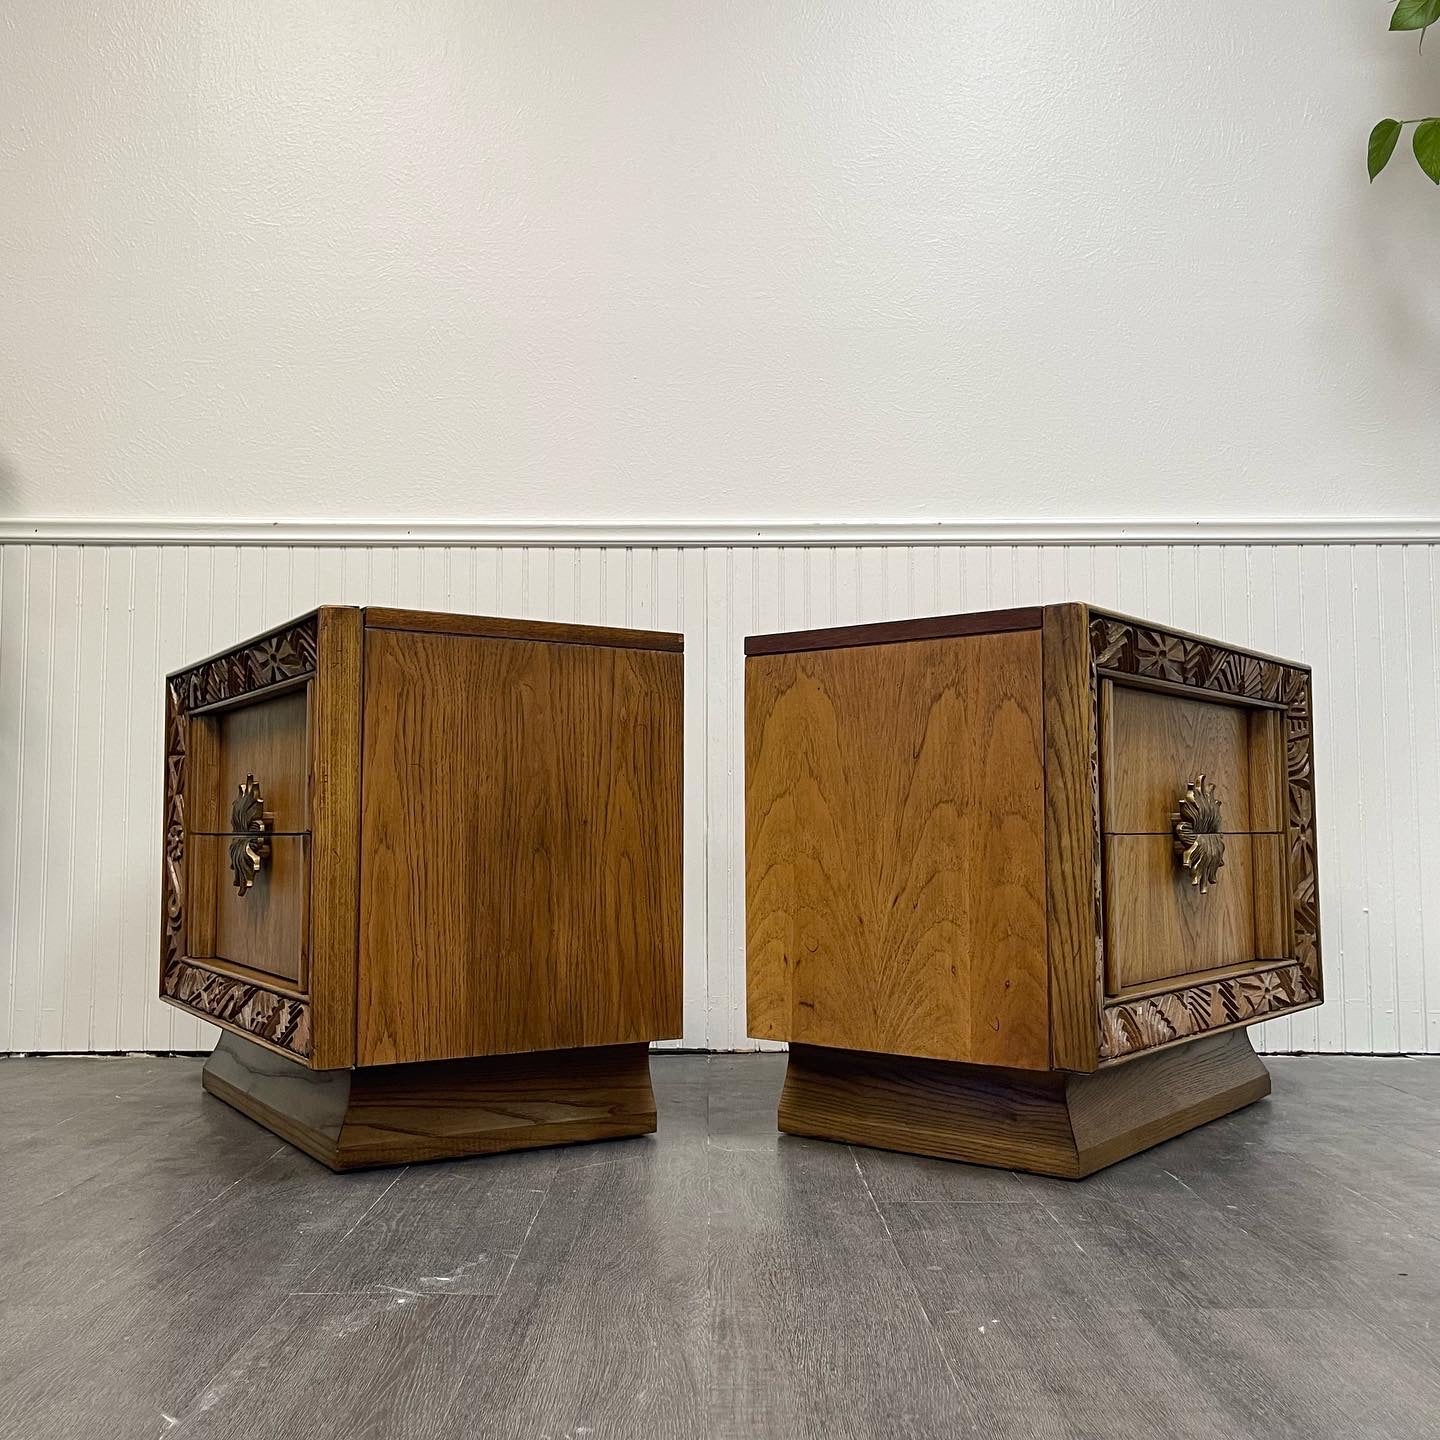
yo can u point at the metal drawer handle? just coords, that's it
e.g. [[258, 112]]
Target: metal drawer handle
[[250, 848], [1198, 841]]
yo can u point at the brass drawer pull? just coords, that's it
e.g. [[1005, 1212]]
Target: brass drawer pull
[[250, 848], [1198, 841]]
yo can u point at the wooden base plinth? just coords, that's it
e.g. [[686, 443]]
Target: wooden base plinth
[[1050, 1122], [397, 1114]]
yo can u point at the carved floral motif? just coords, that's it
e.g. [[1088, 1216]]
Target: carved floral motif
[[287, 654], [1128, 1027]]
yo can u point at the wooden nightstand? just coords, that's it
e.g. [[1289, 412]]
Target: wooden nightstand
[[1017, 880], [424, 870]]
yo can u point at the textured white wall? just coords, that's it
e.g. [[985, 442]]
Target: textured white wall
[[672, 257], [87, 632]]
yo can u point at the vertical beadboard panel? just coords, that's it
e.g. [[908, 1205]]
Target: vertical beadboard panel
[[87, 632]]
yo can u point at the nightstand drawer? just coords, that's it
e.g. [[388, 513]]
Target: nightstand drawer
[[266, 740], [1192, 835], [1158, 925], [263, 928], [1155, 743]]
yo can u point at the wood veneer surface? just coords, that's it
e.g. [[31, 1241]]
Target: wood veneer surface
[[894, 632], [1158, 925], [335, 840], [266, 738], [398, 1114], [1073, 900], [1051, 1124], [1159, 742], [267, 928], [895, 848], [498, 627], [521, 850]]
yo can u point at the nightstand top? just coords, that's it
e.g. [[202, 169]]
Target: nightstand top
[[974, 622], [449, 622]]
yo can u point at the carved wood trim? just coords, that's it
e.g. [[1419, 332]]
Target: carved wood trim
[[283, 655], [1130, 1026], [287, 653], [279, 1020], [1128, 647]]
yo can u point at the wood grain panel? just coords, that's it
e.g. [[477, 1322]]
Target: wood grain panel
[[399, 1114], [1267, 770], [1054, 1123], [895, 848], [1154, 743], [497, 627], [1273, 908], [1158, 925], [205, 806], [267, 928], [521, 846], [892, 632], [266, 739], [1072, 861], [334, 744]]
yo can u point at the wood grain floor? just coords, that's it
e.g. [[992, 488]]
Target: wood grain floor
[[170, 1269]]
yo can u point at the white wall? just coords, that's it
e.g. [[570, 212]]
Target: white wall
[[86, 634], [675, 257]]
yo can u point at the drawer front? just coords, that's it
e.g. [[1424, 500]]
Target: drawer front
[[263, 928], [250, 778], [266, 740], [1159, 925], [1156, 743]]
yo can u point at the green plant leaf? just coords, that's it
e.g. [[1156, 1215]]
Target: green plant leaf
[[1427, 147], [1382, 145], [1415, 14]]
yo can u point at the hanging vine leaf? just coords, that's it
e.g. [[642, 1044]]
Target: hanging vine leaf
[[1427, 147], [1415, 14], [1382, 145]]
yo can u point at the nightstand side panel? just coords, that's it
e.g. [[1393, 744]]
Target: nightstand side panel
[[895, 848], [521, 845]]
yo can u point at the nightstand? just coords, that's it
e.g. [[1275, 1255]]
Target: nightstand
[[1018, 880], [424, 870]]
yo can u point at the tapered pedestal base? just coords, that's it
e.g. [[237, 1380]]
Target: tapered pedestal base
[[398, 1114], [1051, 1123]]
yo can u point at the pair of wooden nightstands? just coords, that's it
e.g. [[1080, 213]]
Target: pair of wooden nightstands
[[1015, 879]]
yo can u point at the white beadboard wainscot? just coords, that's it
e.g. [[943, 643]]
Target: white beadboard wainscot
[[90, 620]]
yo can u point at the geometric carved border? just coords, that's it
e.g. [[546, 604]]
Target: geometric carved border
[[1130, 1026], [287, 653], [283, 1020], [1128, 647]]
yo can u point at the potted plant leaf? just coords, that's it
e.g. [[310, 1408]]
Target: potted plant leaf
[[1425, 139]]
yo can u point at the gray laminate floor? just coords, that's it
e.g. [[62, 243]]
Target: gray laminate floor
[[171, 1269]]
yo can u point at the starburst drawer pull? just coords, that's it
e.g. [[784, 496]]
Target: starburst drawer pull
[[1198, 842], [250, 848]]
